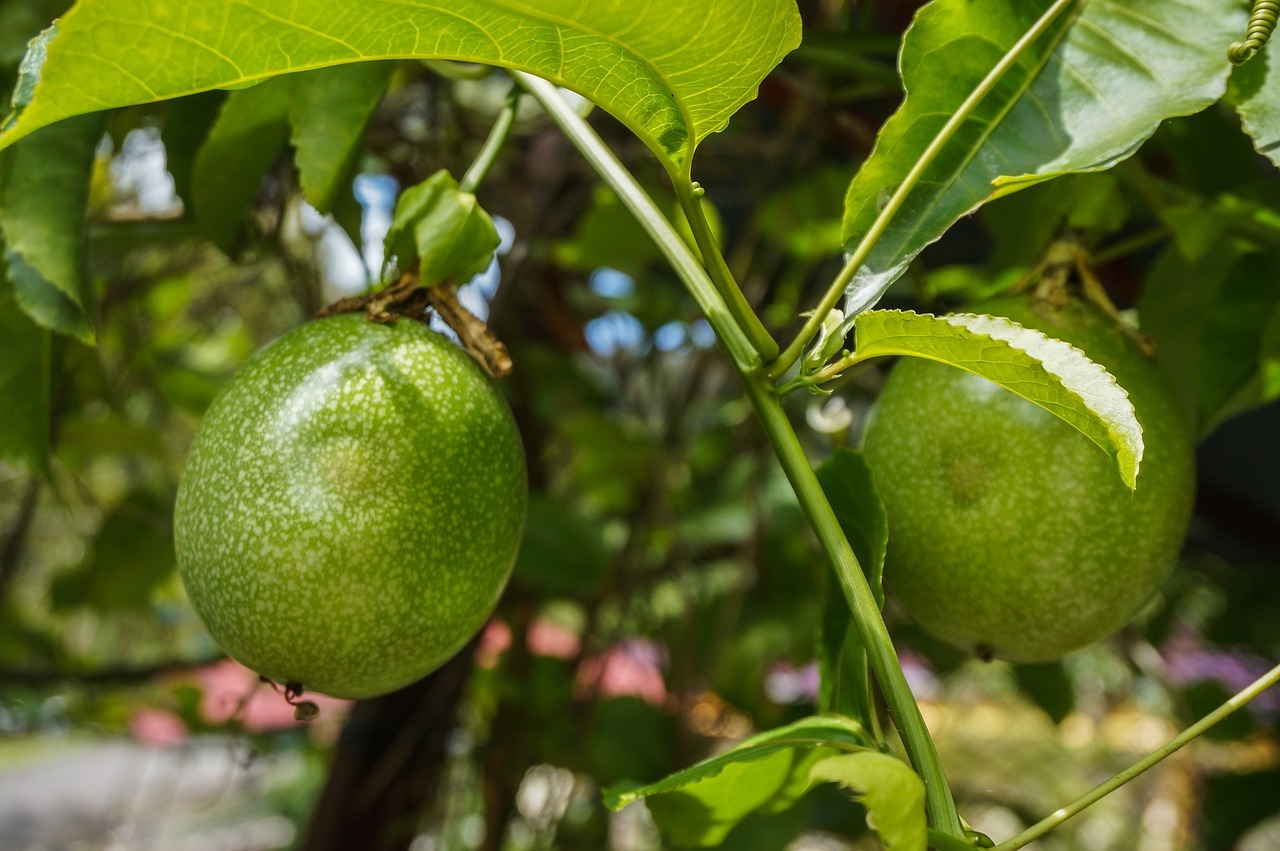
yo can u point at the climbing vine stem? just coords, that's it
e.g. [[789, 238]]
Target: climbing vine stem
[[1100, 791], [786, 445], [689, 195]]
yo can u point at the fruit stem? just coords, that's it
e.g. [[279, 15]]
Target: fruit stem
[[493, 144], [1105, 788], [859, 256], [902, 706], [682, 259]]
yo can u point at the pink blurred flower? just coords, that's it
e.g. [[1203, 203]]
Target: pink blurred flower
[[1189, 659], [231, 690], [493, 643], [547, 638], [157, 727], [631, 668], [787, 684]]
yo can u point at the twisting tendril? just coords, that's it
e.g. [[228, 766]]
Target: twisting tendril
[[1262, 23]]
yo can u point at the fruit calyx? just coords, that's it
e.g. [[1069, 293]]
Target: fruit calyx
[[409, 299]]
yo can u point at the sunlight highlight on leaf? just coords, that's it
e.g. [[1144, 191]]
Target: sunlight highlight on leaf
[[670, 75], [1050, 373], [1083, 97]]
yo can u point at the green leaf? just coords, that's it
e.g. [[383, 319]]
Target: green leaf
[[892, 793], [563, 552], [1049, 686], [671, 73], [700, 805], [44, 188], [846, 481], [1255, 93], [444, 228], [1173, 314], [1082, 97], [1218, 339], [1047, 372], [130, 557], [322, 113], [24, 385], [1233, 342], [608, 235]]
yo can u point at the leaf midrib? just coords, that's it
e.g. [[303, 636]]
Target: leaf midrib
[[992, 126]]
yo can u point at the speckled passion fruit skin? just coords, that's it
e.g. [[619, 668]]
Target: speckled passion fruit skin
[[352, 506], [1010, 533]]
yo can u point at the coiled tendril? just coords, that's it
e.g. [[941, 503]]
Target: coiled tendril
[[1266, 13]]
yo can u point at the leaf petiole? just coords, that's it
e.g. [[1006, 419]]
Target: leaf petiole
[[838, 287], [493, 144]]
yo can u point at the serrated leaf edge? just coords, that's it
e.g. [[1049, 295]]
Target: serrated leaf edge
[[1074, 370], [615, 799]]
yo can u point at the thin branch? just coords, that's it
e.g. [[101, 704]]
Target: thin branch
[[689, 196], [1100, 791], [15, 537], [125, 675]]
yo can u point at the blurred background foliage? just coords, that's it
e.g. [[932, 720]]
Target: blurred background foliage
[[668, 597]]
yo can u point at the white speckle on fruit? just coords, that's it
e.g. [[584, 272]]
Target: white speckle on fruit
[[352, 506]]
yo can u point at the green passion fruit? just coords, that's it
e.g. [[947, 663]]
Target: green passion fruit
[[352, 506], [1010, 533]]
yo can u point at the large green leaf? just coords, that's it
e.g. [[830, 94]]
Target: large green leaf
[[1219, 339], [130, 557], [1050, 373], [1255, 92], [1082, 97], [1235, 344], [701, 804], [44, 187], [323, 113], [672, 72], [563, 552], [892, 793]]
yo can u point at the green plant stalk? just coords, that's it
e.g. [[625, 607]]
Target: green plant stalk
[[740, 347], [866, 614], [862, 603], [498, 136], [458, 70], [837, 289], [1105, 788], [946, 842], [691, 203]]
